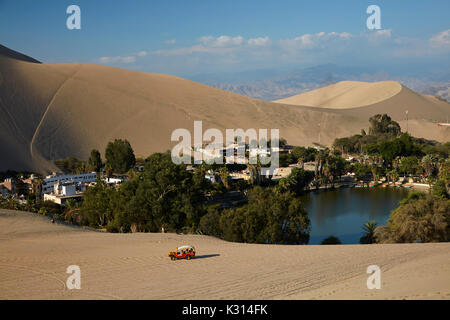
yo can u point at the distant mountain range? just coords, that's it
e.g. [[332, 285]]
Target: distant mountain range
[[272, 85]]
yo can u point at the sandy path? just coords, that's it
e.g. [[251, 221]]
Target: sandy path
[[34, 255]]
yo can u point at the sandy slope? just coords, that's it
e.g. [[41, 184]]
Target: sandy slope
[[346, 94], [34, 255], [366, 97], [363, 99], [54, 111]]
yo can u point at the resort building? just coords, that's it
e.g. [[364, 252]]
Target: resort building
[[50, 181], [63, 192]]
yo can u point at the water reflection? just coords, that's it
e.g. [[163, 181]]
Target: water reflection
[[343, 212]]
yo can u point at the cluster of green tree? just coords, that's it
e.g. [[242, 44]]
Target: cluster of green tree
[[419, 218], [386, 140], [281, 142], [269, 217], [39, 206], [383, 125], [441, 186], [298, 155], [69, 212], [386, 151], [362, 170], [333, 168], [119, 159], [296, 182], [382, 128], [330, 166], [71, 165], [95, 160], [120, 156], [164, 195], [402, 146]]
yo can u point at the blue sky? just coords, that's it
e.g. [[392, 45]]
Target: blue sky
[[186, 37]]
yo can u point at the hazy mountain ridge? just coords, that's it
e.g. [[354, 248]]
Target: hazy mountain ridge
[[303, 80]]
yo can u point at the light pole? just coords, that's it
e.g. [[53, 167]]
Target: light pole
[[406, 121]]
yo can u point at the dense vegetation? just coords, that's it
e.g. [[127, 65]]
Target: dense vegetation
[[385, 151], [169, 197], [419, 218], [387, 141], [165, 196], [95, 160], [120, 156], [71, 165], [269, 217]]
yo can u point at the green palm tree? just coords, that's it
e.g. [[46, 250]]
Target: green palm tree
[[428, 164], [369, 232], [392, 176]]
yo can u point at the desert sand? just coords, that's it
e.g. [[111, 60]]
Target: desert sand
[[34, 255], [53, 111], [346, 94]]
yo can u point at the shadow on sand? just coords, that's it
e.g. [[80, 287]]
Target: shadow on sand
[[207, 256]]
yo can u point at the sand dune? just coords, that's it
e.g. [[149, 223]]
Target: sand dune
[[34, 255], [346, 94], [50, 112], [362, 98]]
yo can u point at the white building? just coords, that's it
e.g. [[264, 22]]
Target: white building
[[63, 192], [50, 181], [282, 172], [115, 180]]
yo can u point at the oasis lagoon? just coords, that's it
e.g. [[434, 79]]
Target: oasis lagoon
[[342, 212]]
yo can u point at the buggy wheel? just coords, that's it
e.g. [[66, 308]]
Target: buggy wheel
[[188, 257], [172, 258]]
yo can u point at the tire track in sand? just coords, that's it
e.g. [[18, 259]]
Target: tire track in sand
[[36, 131]]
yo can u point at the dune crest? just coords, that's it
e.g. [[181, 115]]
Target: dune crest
[[346, 94]]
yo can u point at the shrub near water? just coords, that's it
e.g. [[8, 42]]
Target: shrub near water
[[269, 217], [331, 240], [419, 218]]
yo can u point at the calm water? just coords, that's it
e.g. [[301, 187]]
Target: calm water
[[342, 212]]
